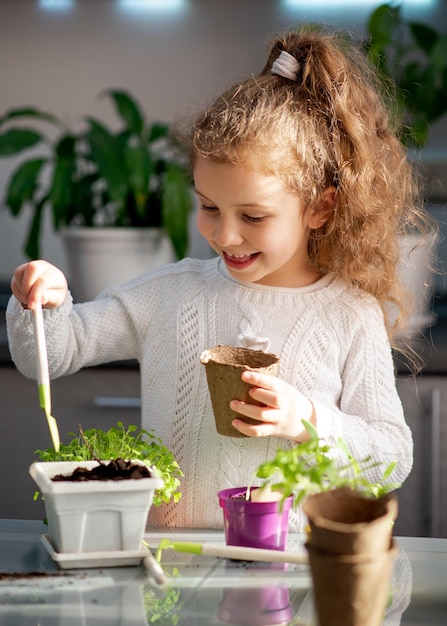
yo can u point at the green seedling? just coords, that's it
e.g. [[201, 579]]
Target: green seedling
[[162, 605], [126, 443], [314, 466]]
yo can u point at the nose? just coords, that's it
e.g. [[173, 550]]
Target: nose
[[227, 233]]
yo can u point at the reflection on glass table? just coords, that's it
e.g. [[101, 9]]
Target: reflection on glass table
[[200, 591]]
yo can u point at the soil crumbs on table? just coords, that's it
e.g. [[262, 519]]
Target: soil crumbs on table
[[10, 576], [117, 469]]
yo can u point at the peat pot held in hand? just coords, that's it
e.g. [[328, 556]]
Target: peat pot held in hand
[[95, 515], [224, 366], [254, 524]]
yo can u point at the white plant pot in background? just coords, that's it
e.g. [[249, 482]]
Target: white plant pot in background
[[94, 516], [100, 257]]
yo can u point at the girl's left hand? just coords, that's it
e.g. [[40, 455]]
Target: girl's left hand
[[283, 410]]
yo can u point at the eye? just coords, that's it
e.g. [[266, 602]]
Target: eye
[[253, 219], [209, 209]]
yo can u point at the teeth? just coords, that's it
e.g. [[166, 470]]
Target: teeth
[[237, 256]]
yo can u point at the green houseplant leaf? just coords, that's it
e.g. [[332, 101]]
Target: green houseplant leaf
[[176, 206], [438, 52], [107, 154], [16, 140], [381, 23], [31, 247], [96, 176], [129, 111], [424, 36], [61, 190], [23, 184], [414, 55], [30, 112], [158, 131], [140, 170]]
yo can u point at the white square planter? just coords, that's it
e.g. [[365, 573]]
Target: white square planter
[[94, 516]]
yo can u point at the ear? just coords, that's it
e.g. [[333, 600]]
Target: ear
[[321, 212]]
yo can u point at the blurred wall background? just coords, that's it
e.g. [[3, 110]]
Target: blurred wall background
[[172, 55]]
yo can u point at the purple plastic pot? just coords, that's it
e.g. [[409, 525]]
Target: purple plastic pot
[[254, 524]]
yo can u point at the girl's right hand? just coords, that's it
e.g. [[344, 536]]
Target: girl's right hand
[[39, 281]]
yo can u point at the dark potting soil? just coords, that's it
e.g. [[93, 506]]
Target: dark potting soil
[[118, 469], [239, 496]]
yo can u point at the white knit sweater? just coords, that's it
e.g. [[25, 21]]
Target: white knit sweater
[[331, 340]]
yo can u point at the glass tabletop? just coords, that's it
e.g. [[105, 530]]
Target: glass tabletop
[[200, 590]]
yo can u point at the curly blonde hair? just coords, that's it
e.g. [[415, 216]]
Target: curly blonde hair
[[329, 128]]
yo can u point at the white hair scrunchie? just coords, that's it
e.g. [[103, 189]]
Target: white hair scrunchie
[[286, 66]]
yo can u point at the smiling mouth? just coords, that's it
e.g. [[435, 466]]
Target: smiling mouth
[[239, 261]]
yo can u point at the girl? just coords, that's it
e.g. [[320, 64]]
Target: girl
[[303, 190]]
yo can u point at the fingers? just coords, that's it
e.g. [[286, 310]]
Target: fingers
[[269, 398], [266, 389], [254, 411], [262, 380], [277, 407], [254, 430], [16, 285], [39, 281], [23, 285]]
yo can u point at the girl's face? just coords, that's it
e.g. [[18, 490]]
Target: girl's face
[[255, 225]]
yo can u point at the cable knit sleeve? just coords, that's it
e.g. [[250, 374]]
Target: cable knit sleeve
[[107, 329], [21, 336], [110, 328]]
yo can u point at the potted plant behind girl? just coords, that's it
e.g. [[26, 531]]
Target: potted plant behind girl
[[121, 199]]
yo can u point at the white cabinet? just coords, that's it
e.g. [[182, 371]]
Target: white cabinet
[[93, 397], [423, 497]]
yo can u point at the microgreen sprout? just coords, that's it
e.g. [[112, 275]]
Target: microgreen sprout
[[162, 608], [126, 443], [162, 605]]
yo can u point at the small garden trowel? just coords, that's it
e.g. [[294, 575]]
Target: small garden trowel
[[43, 377]]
